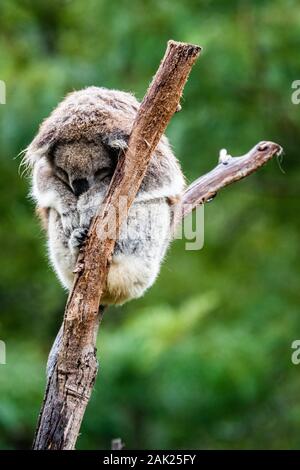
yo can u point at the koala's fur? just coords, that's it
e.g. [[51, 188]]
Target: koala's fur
[[73, 158]]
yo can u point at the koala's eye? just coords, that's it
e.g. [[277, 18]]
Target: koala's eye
[[103, 173], [62, 174]]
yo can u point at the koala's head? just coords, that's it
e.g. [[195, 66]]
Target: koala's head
[[83, 164], [86, 132]]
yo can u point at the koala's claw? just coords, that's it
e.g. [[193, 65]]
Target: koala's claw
[[78, 238]]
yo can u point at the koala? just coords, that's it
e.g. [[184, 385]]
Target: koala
[[73, 158]]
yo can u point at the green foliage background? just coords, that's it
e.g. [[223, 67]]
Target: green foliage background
[[204, 359]]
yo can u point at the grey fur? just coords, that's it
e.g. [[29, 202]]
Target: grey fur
[[73, 158]]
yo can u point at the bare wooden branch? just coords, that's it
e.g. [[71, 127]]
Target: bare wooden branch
[[71, 381], [229, 170]]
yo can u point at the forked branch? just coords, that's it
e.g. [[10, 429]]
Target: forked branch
[[72, 378]]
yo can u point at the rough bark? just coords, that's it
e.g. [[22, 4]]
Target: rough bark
[[72, 378]]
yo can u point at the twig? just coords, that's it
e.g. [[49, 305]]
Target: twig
[[229, 170], [117, 444], [71, 381]]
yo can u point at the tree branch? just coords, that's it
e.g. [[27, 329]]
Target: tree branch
[[72, 378], [229, 170]]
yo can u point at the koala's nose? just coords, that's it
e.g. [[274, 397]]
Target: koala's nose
[[80, 186]]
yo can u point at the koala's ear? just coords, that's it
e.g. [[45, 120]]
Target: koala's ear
[[46, 137], [116, 142], [42, 145]]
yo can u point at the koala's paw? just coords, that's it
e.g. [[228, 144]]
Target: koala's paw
[[78, 238], [69, 221]]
